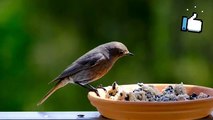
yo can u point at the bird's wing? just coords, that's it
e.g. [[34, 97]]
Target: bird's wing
[[84, 62]]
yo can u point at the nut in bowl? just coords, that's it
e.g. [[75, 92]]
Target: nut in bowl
[[195, 103]]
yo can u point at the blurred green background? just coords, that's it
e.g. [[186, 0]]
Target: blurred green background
[[40, 38]]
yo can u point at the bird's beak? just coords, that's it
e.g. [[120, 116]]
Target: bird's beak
[[129, 53]]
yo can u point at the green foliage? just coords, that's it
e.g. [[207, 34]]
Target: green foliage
[[39, 39]]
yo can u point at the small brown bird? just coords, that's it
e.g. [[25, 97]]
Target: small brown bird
[[90, 67]]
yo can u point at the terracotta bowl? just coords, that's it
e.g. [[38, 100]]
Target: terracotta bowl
[[178, 110]]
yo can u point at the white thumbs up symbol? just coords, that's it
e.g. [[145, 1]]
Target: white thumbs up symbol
[[192, 24]]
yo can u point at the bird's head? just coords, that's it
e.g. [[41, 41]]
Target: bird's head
[[117, 49]]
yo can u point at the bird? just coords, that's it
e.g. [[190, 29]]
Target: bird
[[90, 67]]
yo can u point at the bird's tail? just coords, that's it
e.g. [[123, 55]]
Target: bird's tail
[[60, 84]]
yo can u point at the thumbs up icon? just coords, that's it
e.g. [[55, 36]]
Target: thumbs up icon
[[192, 24]]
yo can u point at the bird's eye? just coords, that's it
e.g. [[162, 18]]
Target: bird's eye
[[121, 52]]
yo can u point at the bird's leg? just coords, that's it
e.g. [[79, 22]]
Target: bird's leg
[[93, 89], [84, 86], [89, 87], [101, 87]]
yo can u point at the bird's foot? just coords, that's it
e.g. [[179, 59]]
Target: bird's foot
[[101, 87], [96, 91]]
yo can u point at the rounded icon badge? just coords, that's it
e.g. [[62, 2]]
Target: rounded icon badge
[[191, 24]]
